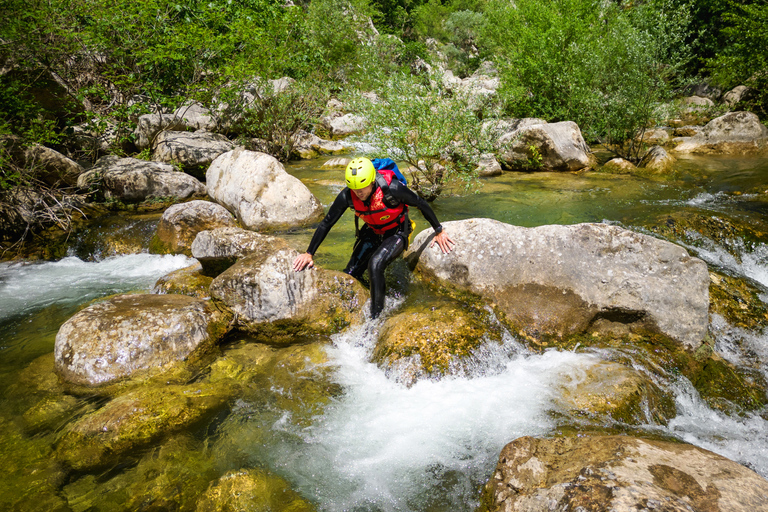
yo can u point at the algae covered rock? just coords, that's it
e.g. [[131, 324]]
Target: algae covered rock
[[182, 222], [619, 473], [136, 419], [252, 489], [277, 304], [433, 339], [556, 281], [126, 334], [185, 281]]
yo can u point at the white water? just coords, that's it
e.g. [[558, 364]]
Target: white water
[[28, 287]]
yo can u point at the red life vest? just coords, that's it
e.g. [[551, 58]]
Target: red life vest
[[378, 214]]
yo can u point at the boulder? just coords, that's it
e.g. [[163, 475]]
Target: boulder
[[656, 159], [687, 131], [732, 133], [736, 95], [137, 419], [554, 281], [194, 151], [308, 146], [621, 474], [50, 166], [344, 125], [126, 334], [255, 187], [546, 147], [618, 165], [181, 223], [134, 180], [433, 339], [611, 392], [656, 136], [185, 281], [252, 489], [277, 304], [218, 249], [488, 166], [192, 116]]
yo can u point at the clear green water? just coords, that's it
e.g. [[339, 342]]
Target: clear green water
[[319, 416]]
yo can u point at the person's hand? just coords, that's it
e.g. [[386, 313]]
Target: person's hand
[[303, 261], [443, 241]]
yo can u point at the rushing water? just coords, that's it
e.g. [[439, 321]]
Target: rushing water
[[342, 432]]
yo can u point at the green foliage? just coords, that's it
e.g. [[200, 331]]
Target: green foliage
[[744, 60], [595, 63], [437, 135]]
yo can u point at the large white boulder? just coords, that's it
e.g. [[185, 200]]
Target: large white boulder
[[544, 146], [732, 133], [560, 280], [256, 188]]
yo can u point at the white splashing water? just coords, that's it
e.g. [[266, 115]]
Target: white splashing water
[[749, 263], [27, 287], [385, 446]]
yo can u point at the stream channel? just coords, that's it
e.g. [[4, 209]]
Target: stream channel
[[331, 424]]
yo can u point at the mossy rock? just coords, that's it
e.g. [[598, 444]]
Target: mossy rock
[[253, 490], [431, 337], [738, 301], [693, 228], [136, 419], [185, 281], [171, 476], [617, 393]]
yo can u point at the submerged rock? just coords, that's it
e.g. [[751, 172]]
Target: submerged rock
[[555, 281], [127, 334], [433, 339], [134, 180], [620, 474], [136, 419], [256, 188], [218, 249], [182, 222], [252, 489], [276, 303]]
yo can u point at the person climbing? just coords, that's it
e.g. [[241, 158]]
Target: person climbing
[[381, 200]]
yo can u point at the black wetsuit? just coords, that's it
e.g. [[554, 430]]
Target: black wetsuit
[[372, 251]]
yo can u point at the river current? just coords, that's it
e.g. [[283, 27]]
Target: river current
[[376, 444]]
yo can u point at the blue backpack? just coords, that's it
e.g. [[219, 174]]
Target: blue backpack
[[389, 165]]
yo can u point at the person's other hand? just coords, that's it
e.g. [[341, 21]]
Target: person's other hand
[[443, 241], [303, 261]]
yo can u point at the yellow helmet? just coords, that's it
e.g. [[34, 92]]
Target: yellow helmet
[[360, 173]]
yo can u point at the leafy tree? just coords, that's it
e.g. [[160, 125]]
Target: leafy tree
[[744, 61], [601, 65], [436, 134]]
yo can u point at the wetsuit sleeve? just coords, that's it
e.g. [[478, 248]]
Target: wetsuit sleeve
[[335, 212], [409, 197]]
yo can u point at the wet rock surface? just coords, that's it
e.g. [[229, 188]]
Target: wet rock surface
[[619, 473], [126, 334], [560, 280], [218, 249]]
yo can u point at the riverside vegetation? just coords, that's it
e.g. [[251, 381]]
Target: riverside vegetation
[[623, 305]]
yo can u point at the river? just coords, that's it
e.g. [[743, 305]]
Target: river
[[371, 443]]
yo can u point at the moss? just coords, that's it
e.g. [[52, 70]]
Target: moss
[[255, 490], [737, 301]]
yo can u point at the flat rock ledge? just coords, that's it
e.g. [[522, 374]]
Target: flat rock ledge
[[562, 280], [220, 248], [277, 304], [621, 474], [126, 334]]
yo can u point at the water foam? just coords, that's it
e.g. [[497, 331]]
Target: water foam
[[26, 287]]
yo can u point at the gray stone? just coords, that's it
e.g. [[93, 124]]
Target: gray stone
[[546, 147], [126, 334], [192, 116], [559, 280], [732, 133], [308, 145], [621, 474], [180, 224], [255, 187], [219, 249], [736, 95], [656, 159], [131, 179], [191, 150]]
